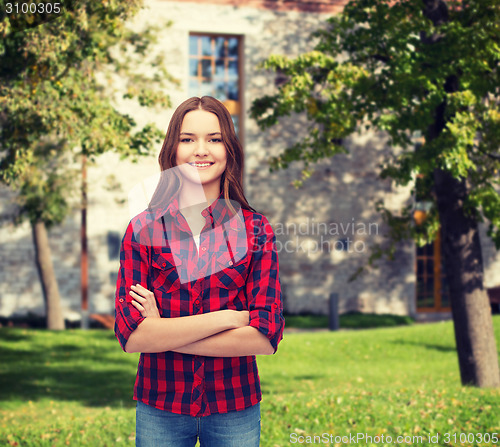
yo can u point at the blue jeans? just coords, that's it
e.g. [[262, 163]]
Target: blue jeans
[[158, 428]]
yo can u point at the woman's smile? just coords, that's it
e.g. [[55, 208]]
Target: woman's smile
[[202, 164]]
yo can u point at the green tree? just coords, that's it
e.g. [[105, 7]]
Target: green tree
[[60, 74], [403, 67]]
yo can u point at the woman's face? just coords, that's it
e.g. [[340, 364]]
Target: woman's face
[[200, 145]]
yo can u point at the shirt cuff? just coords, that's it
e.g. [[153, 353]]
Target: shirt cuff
[[270, 322], [125, 325]]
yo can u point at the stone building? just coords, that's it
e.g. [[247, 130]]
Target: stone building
[[324, 230]]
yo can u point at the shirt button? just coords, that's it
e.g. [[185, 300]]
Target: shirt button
[[204, 248], [230, 262], [163, 264], [197, 302], [121, 300]]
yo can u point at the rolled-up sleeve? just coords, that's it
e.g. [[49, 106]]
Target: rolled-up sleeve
[[133, 270], [263, 288]]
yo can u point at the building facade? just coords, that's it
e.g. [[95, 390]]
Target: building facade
[[324, 230]]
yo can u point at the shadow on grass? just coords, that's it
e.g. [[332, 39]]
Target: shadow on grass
[[307, 377], [10, 336], [93, 376], [279, 387], [432, 346]]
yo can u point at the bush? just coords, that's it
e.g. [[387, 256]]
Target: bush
[[349, 320]]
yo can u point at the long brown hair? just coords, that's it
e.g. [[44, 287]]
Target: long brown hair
[[231, 182]]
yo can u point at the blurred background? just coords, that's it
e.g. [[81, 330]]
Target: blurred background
[[324, 229]]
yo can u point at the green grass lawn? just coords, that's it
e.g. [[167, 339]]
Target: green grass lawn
[[74, 388]]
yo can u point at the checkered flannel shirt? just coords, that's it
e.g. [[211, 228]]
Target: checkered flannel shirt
[[236, 268]]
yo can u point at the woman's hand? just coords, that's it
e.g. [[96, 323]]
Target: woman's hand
[[237, 318], [144, 301]]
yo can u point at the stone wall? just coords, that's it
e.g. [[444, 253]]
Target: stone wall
[[324, 230]]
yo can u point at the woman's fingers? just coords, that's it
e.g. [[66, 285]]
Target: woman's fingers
[[141, 309], [146, 300], [142, 290], [137, 305], [137, 296]]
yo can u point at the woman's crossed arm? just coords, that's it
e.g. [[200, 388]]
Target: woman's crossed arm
[[224, 333]]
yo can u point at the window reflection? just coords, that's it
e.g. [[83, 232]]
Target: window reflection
[[206, 46], [214, 70]]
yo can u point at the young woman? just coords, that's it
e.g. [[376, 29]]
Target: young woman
[[198, 291]]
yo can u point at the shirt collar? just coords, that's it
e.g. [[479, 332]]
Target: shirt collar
[[219, 210]]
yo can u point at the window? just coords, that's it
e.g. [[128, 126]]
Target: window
[[214, 70], [432, 294], [432, 288]]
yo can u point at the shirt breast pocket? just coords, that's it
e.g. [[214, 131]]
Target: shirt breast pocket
[[229, 275], [164, 274]]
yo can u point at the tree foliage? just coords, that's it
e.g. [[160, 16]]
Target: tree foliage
[[409, 68], [60, 77], [388, 66]]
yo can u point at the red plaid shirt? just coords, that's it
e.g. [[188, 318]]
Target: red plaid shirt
[[236, 268]]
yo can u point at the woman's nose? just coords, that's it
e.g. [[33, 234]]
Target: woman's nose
[[200, 148]]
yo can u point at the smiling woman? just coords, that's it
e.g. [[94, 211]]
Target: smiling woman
[[202, 304], [202, 147]]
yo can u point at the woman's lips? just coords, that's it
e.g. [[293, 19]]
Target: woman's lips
[[201, 165]]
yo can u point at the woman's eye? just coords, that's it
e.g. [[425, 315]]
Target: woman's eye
[[215, 140], [186, 140]]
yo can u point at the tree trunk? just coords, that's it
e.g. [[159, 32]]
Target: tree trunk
[[43, 260], [474, 336]]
